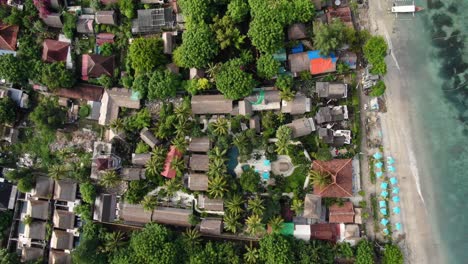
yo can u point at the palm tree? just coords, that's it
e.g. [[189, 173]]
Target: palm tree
[[234, 205], [158, 151], [319, 178], [231, 222], [297, 206], [217, 152], [182, 111], [221, 127], [178, 164], [283, 134], [113, 241], [110, 179], [255, 205], [213, 69], [153, 166], [57, 171], [149, 202], [287, 95], [251, 255], [240, 141], [192, 236], [217, 167], [182, 127], [117, 125], [172, 186], [180, 144], [276, 224], [217, 187], [254, 225]]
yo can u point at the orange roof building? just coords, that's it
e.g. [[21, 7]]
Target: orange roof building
[[8, 36], [341, 173], [329, 232], [169, 172], [341, 214]]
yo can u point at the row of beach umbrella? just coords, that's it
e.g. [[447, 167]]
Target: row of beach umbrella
[[384, 194]]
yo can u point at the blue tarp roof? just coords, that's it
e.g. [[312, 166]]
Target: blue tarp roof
[[379, 174], [396, 199], [384, 221], [396, 210], [384, 185], [393, 180], [315, 54], [377, 155], [298, 48], [382, 204]]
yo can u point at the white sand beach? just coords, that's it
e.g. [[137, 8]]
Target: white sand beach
[[398, 131]]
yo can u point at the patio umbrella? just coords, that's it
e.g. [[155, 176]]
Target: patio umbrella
[[396, 210], [385, 231], [377, 155], [383, 185], [391, 169], [390, 160], [382, 204], [396, 199], [396, 190], [384, 194], [398, 226], [384, 221], [379, 164], [383, 211], [379, 174], [393, 180]]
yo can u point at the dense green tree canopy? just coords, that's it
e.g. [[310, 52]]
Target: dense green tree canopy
[[216, 253], [12, 69], [127, 7], [146, 54], [378, 89], [7, 110], [55, 75], [154, 243], [392, 255], [227, 34], [233, 81], [375, 50], [365, 253], [267, 66], [329, 37], [48, 114], [238, 10], [69, 24], [197, 10], [163, 84], [275, 249], [88, 192], [140, 84], [198, 47], [269, 17], [250, 180]]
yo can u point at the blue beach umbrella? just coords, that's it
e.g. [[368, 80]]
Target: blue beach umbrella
[[384, 194], [390, 160], [383, 185], [396, 190], [383, 211], [398, 226], [385, 231], [384, 221], [393, 180], [396, 199], [379, 174], [391, 169], [396, 210], [379, 164], [377, 155], [382, 204]]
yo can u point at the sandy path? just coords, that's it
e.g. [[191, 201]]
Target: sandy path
[[419, 244]]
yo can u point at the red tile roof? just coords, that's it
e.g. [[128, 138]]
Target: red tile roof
[[102, 38], [102, 164], [8, 36], [82, 91], [94, 66], [341, 214], [341, 13], [54, 50], [341, 172], [168, 171], [328, 232]]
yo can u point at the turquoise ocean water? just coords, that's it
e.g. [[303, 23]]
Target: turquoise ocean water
[[437, 62]]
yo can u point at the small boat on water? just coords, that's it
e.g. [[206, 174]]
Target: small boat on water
[[406, 9]]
